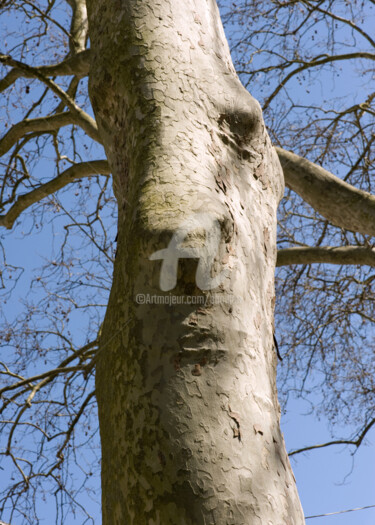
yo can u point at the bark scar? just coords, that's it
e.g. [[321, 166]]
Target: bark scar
[[236, 418]]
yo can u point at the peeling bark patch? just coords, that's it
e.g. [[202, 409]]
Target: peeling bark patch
[[266, 235], [197, 371], [257, 320], [258, 430], [261, 174], [162, 458], [177, 363], [236, 418]]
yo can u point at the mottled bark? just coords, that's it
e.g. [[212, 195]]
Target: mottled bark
[[188, 409]]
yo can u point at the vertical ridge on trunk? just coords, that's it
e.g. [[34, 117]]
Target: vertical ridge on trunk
[[188, 409]]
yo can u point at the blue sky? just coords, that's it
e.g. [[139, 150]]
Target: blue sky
[[328, 480]]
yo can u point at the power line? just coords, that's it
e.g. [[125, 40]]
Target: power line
[[338, 512]]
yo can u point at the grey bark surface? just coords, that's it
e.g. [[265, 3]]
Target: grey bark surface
[[188, 409]]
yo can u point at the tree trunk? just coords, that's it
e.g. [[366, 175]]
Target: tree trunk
[[188, 410]]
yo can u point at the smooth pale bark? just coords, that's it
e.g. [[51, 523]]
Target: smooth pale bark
[[326, 254], [79, 26], [339, 202], [188, 410]]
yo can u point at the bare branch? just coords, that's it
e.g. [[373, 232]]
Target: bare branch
[[39, 125], [70, 430], [78, 171], [317, 61], [350, 23], [357, 442], [29, 381], [77, 65], [326, 254], [86, 122], [342, 204]]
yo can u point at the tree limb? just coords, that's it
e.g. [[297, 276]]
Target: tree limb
[[78, 171], [79, 26], [317, 61], [326, 254], [77, 65], [342, 204], [86, 122], [40, 125]]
